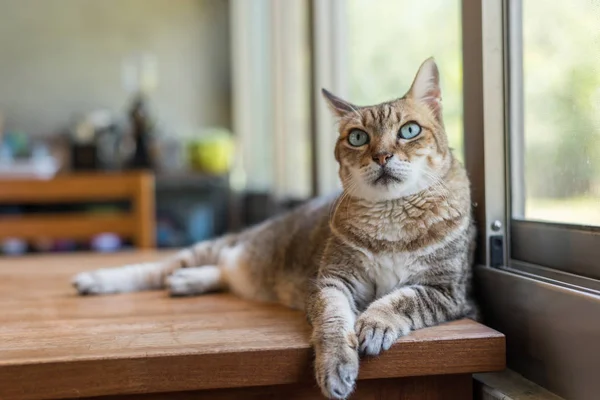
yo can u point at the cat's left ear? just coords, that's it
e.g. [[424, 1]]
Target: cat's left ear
[[338, 106], [426, 86]]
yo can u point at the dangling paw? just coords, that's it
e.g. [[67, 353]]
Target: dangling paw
[[336, 368]]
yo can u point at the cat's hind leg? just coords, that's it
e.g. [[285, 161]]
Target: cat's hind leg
[[195, 281], [128, 278], [150, 276]]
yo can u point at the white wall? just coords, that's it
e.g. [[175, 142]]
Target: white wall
[[61, 57]]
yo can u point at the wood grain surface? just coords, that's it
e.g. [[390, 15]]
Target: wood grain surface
[[54, 344]]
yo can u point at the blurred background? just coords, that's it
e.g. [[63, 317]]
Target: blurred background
[[218, 101]]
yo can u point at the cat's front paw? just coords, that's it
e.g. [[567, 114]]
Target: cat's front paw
[[336, 368], [377, 329]]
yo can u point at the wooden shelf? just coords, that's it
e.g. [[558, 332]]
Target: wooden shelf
[[72, 226], [136, 187], [71, 187]]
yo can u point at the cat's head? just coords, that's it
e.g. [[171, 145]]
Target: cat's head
[[393, 149]]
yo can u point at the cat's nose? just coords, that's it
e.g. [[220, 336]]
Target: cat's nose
[[382, 158]]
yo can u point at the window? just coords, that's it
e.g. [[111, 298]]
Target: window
[[560, 137], [271, 102], [555, 134], [531, 70]]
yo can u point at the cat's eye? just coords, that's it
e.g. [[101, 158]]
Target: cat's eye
[[358, 138], [409, 130]]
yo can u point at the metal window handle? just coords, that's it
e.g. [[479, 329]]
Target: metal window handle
[[496, 226]]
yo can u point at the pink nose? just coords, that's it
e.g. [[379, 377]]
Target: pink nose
[[382, 158]]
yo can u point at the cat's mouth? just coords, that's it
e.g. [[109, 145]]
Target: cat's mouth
[[385, 178]]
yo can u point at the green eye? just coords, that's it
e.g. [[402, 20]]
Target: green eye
[[409, 130], [358, 138]]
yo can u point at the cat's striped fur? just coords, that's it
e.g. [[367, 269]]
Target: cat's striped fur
[[384, 258]]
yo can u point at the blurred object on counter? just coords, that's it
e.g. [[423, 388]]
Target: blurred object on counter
[[19, 158], [108, 138], [83, 146], [41, 168], [100, 143], [140, 79], [95, 142], [212, 152], [17, 143], [106, 243], [142, 131], [14, 246]]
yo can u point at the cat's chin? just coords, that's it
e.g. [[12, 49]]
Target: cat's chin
[[382, 191], [386, 188], [387, 180]]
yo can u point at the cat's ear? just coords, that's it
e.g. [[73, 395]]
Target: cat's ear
[[426, 86], [338, 106]]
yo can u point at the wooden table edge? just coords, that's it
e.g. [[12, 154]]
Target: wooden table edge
[[187, 372]]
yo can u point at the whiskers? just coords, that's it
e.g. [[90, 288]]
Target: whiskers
[[437, 186], [361, 185]]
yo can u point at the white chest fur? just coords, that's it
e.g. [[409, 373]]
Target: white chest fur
[[390, 271]]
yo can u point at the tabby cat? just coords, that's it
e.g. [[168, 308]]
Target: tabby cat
[[391, 254]]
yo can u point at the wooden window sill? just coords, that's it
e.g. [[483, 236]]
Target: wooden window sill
[[508, 385]]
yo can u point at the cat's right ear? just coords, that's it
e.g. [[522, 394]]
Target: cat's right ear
[[338, 106]]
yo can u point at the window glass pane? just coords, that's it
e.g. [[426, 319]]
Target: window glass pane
[[561, 112], [389, 39]]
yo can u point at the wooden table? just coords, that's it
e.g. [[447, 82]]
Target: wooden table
[[56, 345]]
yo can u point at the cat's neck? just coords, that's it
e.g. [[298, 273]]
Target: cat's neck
[[407, 218]]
